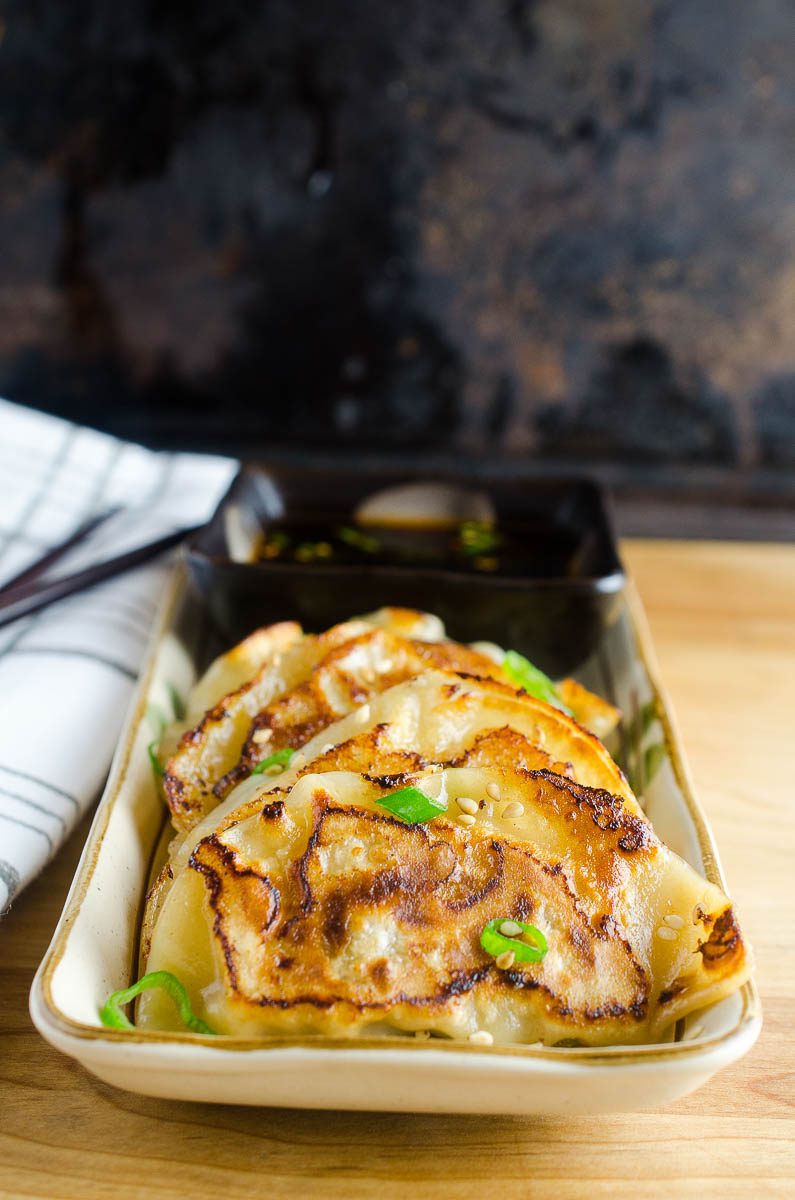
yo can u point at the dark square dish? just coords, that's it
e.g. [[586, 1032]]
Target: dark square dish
[[554, 618]]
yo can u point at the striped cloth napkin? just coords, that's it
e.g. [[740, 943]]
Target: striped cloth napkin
[[67, 672]]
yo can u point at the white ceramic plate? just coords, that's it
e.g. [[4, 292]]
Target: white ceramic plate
[[95, 947]]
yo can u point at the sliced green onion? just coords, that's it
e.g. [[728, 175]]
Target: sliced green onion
[[112, 1016], [496, 943], [478, 537], [648, 713], [653, 759], [157, 766], [525, 675], [177, 703], [412, 805], [358, 539], [280, 758]]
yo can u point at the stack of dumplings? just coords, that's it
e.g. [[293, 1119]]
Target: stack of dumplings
[[377, 833]]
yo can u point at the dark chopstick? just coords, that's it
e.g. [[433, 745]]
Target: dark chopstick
[[52, 556], [31, 597]]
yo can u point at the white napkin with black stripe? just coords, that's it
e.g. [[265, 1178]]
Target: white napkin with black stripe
[[67, 672]]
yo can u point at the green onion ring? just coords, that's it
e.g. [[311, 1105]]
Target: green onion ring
[[280, 758], [496, 943], [524, 674], [412, 805], [112, 1016], [157, 766]]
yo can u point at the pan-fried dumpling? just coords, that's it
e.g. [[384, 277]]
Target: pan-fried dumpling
[[301, 685], [226, 674], [282, 659], [348, 677], [239, 665], [315, 910], [592, 711], [302, 904], [432, 718]]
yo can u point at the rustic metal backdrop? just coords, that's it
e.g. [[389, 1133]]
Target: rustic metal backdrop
[[556, 228]]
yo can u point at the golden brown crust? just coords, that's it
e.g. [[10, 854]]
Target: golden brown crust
[[212, 746], [329, 915], [348, 676], [590, 710], [505, 749], [304, 683], [723, 949], [287, 946]]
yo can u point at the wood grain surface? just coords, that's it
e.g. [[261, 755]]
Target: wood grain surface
[[723, 622]]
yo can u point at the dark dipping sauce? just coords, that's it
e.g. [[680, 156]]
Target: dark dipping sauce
[[525, 550]]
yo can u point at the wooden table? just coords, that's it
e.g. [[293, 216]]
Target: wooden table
[[723, 619]]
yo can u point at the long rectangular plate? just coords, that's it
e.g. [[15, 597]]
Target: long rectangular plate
[[95, 946]]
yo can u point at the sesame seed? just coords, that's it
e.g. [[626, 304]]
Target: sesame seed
[[298, 760], [422, 1034], [328, 746], [510, 929], [467, 805], [261, 736], [667, 935], [505, 960], [363, 715], [690, 1034], [466, 819], [493, 790], [385, 666], [674, 920], [481, 1037], [514, 809]]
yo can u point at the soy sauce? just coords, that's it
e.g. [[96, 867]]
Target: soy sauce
[[482, 548]]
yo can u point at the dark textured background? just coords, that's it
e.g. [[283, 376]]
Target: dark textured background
[[501, 228]]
